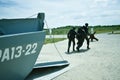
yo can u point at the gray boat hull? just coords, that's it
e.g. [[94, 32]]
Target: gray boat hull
[[18, 54], [21, 41]]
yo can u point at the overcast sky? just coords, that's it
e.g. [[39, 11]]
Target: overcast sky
[[64, 12]]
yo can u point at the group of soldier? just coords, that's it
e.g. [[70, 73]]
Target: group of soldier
[[81, 34]]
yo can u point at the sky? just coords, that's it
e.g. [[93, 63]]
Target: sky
[[64, 12]]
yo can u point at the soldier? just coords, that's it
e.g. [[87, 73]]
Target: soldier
[[93, 37], [80, 37], [71, 37], [87, 33]]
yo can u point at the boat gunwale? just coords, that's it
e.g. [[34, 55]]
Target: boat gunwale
[[10, 35]]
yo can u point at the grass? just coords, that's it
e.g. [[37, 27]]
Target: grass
[[98, 29], [106, 29], [64, 31], [53, 40]]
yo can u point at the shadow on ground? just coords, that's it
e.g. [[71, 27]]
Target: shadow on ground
[[40, 72], [81, 51]]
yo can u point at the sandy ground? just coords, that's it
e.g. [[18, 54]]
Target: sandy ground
[[101, 62]]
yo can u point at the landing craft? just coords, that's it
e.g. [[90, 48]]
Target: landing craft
[[20, 43]]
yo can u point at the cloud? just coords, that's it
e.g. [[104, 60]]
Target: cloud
[[64, 12], [7, 3]]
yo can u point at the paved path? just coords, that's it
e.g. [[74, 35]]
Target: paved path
[[101, 62], [56, 36]]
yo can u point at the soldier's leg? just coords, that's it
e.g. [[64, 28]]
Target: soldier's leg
[[96, 39], [91, 39], [73, 44], [87, 42], [69, 44], [78, 45]]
